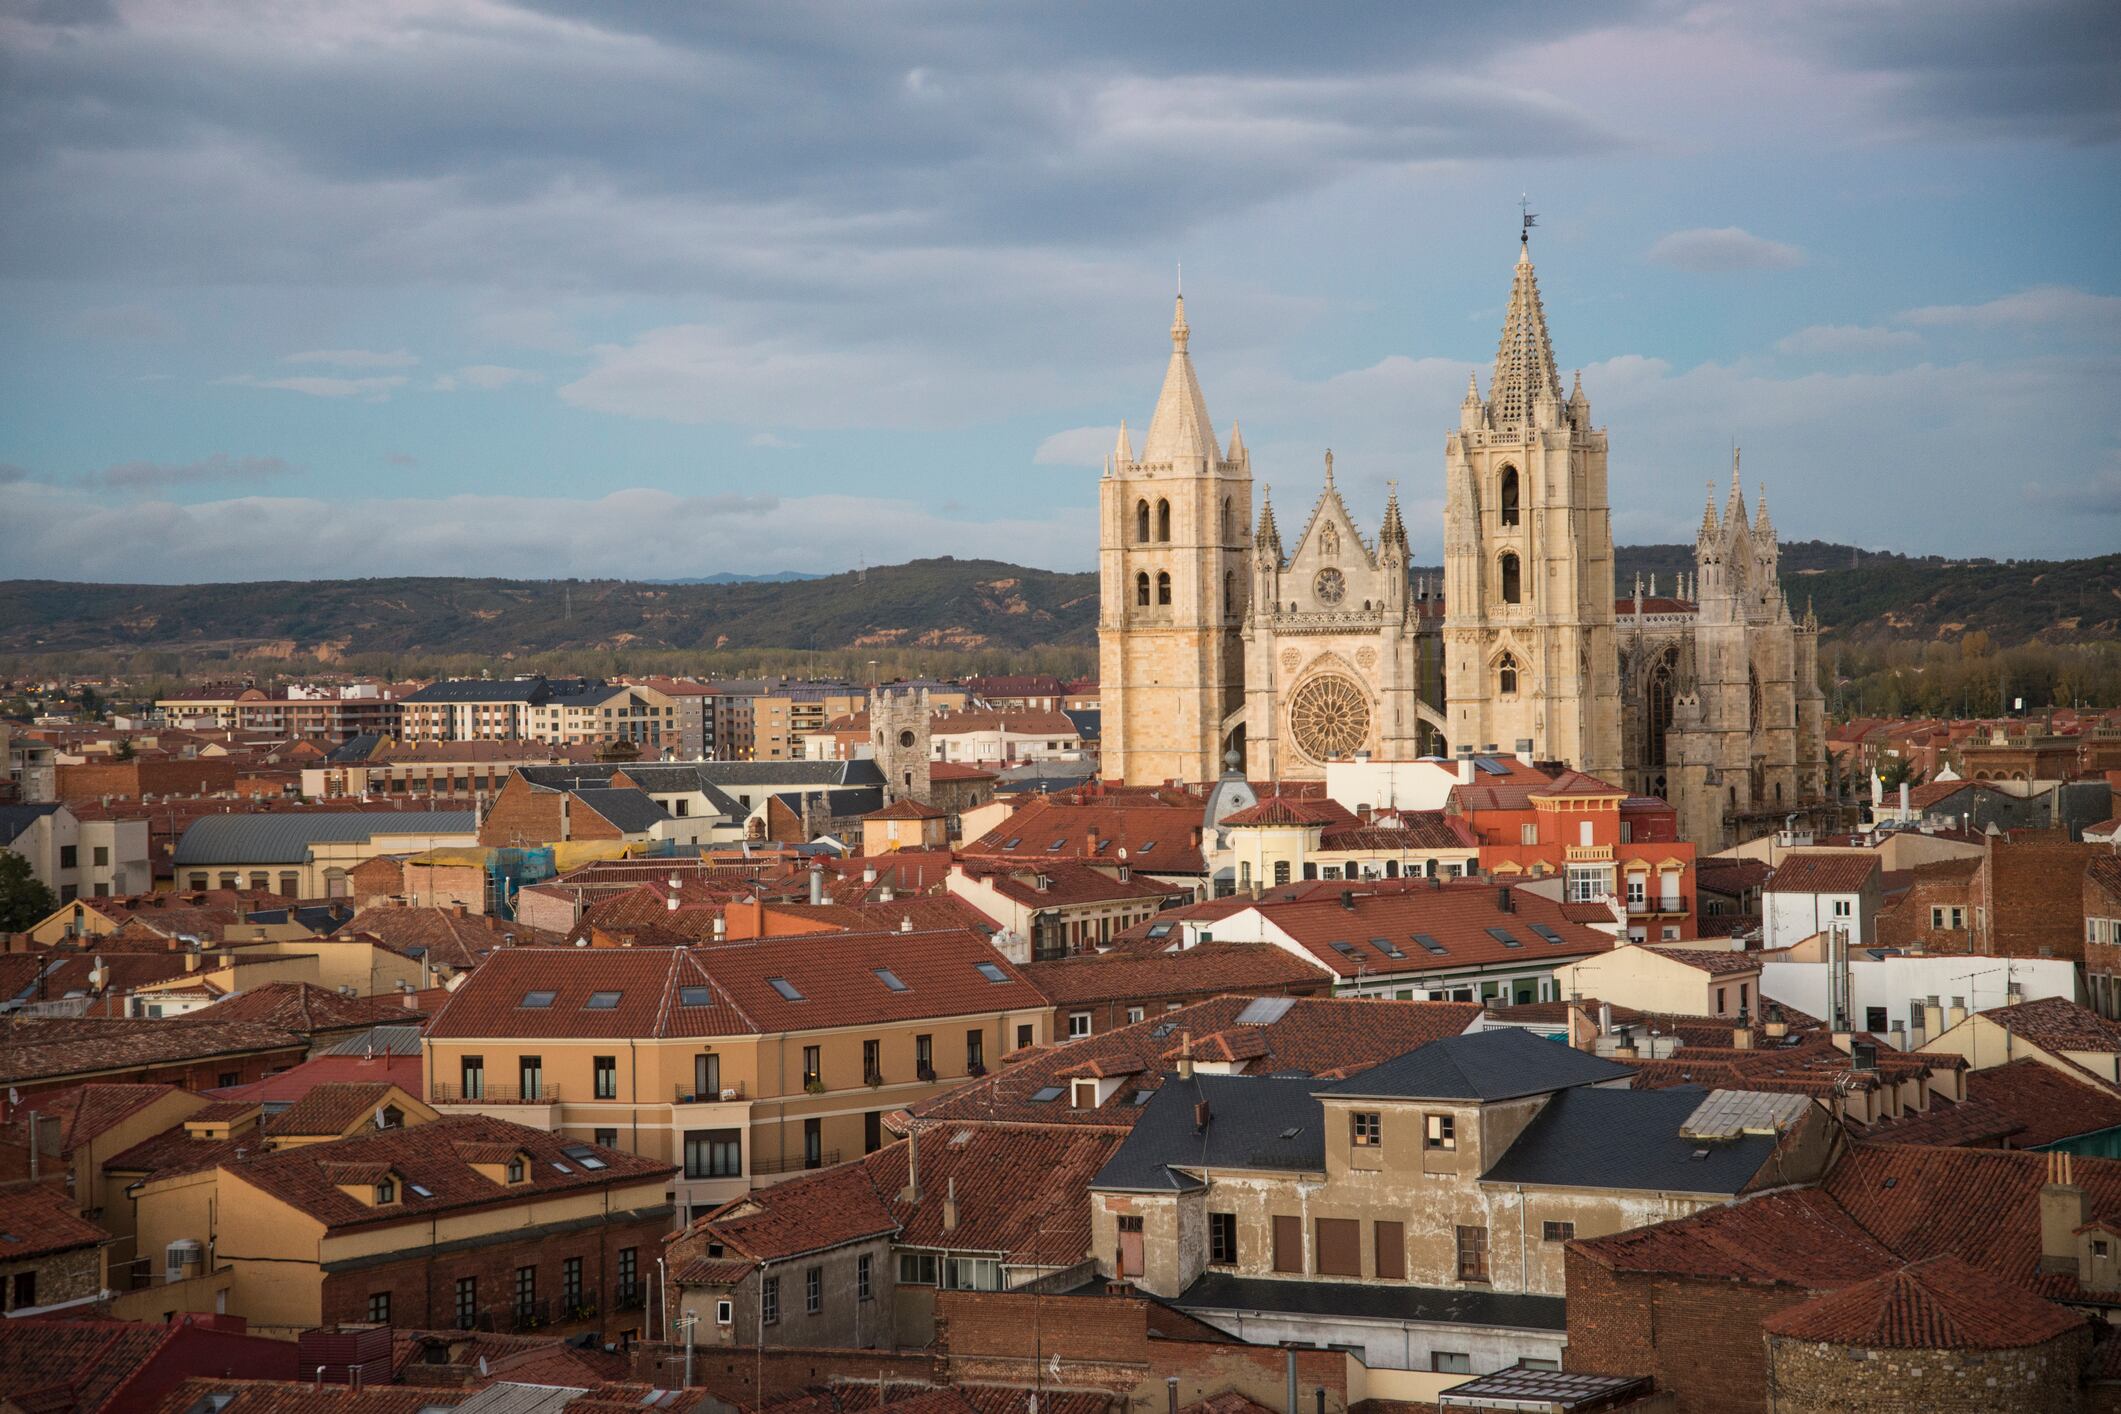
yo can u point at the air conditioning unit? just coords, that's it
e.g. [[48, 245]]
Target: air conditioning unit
[[725, 1313]]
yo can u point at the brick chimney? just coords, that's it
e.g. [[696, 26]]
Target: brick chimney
[[2061, 1214]]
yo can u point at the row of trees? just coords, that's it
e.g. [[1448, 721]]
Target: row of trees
[[1967, 678]]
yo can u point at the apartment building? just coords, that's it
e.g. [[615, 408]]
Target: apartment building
[[738, 1063], [460, 770], [1050, 909], [1284, 839], [564, 712], [309, 854], [77, 858]]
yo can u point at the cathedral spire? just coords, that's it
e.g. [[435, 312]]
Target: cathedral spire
[[1711, 528], [1124, 453], [1394, 534], [1180, 431], [1524, 359], [1763, 528], [1268, 540], [1235, 452], [1734, 508]]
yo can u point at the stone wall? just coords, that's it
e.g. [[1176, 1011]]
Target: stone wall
[[1806, 1377]]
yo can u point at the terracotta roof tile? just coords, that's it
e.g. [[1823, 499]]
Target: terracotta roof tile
[[43, 1048], [908, 808], [1287, 810], [1718, 962], [1823, 872], [2046, 1104], [39, 1218], [1066, 881], [232, 1396], [329, 1109], [1211, 969], [1163, 839], [1938, 1304], [2058, 1024], [1338, 928]]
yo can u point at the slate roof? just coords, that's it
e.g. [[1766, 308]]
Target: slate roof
[[286, 838], [630, 811], [1373, 1301], [1939, 1304], [1254, 1122], [1483, 1066], [15, 819], [1629, 1139]]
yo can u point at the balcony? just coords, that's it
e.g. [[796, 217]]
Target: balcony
[[688, 1095], [763, 1166], [1647, 907], [529, 1315], [495, 1095]]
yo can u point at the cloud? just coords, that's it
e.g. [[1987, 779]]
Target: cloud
[[2099, 495], [1722, 249], [1078, 446], [485, 377], [401, 459], [2041, 305], [159, 476], [50, 532], [1832, 340], [354, 358], [772, 443], [132, 322], [10, 473], [373, 389]]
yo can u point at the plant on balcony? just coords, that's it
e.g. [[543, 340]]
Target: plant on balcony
[[814, 1085], [874, 1078]]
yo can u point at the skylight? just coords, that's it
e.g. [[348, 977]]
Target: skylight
[[602, 1001], [1046, 1094], [1547, 932], [990, 971], [537, 999], [1158, 930], [1262, 1011], [1504, 936], [1145, 846], [695, 996], [1012, 842], [889, 978], [561, 1167], [1428, 942], [585, 1156], [421, 1190], [785, 987], [1142, 1097], [1055, 847], [1346, 950], [1387, 947]]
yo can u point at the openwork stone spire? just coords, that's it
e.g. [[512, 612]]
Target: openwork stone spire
[[1524, 360], [1180, 430], [1394, 534], [1268, 541]]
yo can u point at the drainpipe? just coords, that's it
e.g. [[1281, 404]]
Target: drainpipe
[[1524, 1256]]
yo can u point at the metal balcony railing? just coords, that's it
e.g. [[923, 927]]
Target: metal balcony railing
[[795, 1163], [689, 1095], [627, 1296], [495, 1095], [1639, 907]]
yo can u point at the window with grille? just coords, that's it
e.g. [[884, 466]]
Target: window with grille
[[379, 1308], [1368, 1126], [1557, 1232], [467, 1302], [770, 1301]]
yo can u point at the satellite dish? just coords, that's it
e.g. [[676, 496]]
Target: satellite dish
[[483, 1370]]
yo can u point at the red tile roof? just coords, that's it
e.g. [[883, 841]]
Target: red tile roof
[[1163, 839], [39, 1218], [1458, 914], [454, 940], [1313, 1035], [1798, 1238], [329, 1109], [2058, 1024], [2046, 1104], [438, 1156], [651, 986], [290, 1085], [1719, 962], [87, 1111], [1066, 881], [1285, 810], [907, 808], [1407, 830], [306, 1009], [1211, 969], [232, 1396], [1823, 872], [44, 1048], [1938, 1304]]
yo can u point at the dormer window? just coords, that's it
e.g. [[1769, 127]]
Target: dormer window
[[517, 1169], [386, 1191]]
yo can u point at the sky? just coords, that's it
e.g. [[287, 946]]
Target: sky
[[299, 290]]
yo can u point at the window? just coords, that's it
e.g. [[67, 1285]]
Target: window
[[1508, 500], [1281, 871], [972, 1274], [602, 1001], [518, 1171], [69, 856], [629, 1267], [472, 1072], [101, 856], [1589, 882], [890, 979], [1557, 1232], [1841, 908], [872, 1131], [1450, 1362], [924, 1057], [1506, 675], [535, 1001], [378, 1307], [1134, 1014], [1229, 591], [770, 1301], [1391, 1244], [813, 1290], [1874, 1018], [916, 1269], [1163, 588], [467, 1302], [1472, 1254], [1288, 1243], [813, 1143], [873, 1062], [1367, 1129], [1141, 590], [1222, 1239], [714, 1153], [1440, 1132], [386, 1191], [1078, 1025], [990, 971], [1528, 834], [1163, 520], [530, 1076], [862, 1289], [607, 1077], [707, 1077], [571, 1282], [1024, 1034], [227, 1078], [1339, 1246], [1945, 917], [1512, 580], [785, 988], [695, 996], [813, 1073], [975, 1050]]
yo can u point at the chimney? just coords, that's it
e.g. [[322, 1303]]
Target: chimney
[[670, 903], [1347, 899], [1465, 765], [1897, 1035], [911, 1193], [905, 923], [817, 884], [868, 873], [1741, 1038], [1503, 902], [1955, 1013], [2061, 1214], [721, 927], [1777, 1027], [411, 1000], [1201, 1116], [1932, 1017], [950, 1205], [1524, 750], [1605, 1018], [1185, 1055]]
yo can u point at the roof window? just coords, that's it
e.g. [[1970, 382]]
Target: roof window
[[1045, 1094], [990, 971], [1012, 842], [1546, 932], [1428, 942], [890, 979], [602, 1001], [536, 999], [786, 988], [1145, 846], [1387, 947], [585, 1156], [695, 996], [1505, 937], [1055, 847]]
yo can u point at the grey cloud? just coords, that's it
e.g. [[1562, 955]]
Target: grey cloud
[[10, 473], [1716, 250], [160, 476], [2042, 305], [354, 358]]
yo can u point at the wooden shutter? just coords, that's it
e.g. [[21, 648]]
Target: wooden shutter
[[1288, 1243], [1339, 1247], [1391, 1252]]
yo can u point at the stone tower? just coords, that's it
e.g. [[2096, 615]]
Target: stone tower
[[898, 731], [1529, 646], [1174, 533]]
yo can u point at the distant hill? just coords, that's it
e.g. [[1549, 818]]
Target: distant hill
[[941, 604]]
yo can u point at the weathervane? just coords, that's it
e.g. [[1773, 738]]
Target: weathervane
[[1529, 217]]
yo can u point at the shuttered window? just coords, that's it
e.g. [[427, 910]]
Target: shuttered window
[[1391, 1252], [1339, 1247], [1288, 1244]]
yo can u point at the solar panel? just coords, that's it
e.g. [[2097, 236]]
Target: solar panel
[[785, 987], [1490, 766], [1546, 931], [1428, 942], [1045, 1094], [1387, 947], [1265, 1011], [1503, 936]]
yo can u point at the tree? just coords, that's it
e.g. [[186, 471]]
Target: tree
[[23, 897], [1897, 771], [125, 751]]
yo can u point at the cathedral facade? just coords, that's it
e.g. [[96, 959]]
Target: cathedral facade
[[1218, 640]]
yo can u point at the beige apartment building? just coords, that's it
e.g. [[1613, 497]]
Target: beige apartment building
[[739, 1063]]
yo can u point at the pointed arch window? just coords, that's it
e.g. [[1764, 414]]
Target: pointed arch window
[[1508, 499], [1141, 522], [1163, 520], [1141, 589], [1512, 581], [1229, 522], [1506, 675], [1163, 587], [1230, 593], [1659, 694]]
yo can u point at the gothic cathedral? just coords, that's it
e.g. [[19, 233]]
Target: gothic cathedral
[[1217, 641]]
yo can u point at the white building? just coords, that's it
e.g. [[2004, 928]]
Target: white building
[[77, 858], [1888, 992], [1817, 891]]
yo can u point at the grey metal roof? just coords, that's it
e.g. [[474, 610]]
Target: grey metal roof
[[14, 819], [1372, 1301], [1549, 1391], [504, 1397], [1254, 1122], [355, 749], [391, 1040], [1482, 1065], [1089, 721], [838, 804], [482, 690], [1628, 1139], [629, 810], [733, 774], [286, 839]]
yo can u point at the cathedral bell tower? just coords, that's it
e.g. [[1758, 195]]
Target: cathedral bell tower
[[1173, 541], [1529, 647]]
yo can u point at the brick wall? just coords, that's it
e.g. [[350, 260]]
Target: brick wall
[[738, 1374], [523, 816], [133, 779], [1701, 1340], [1811, 1378], [1906, 922], [422, 1285], [2035, 895], [188, 1075]]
